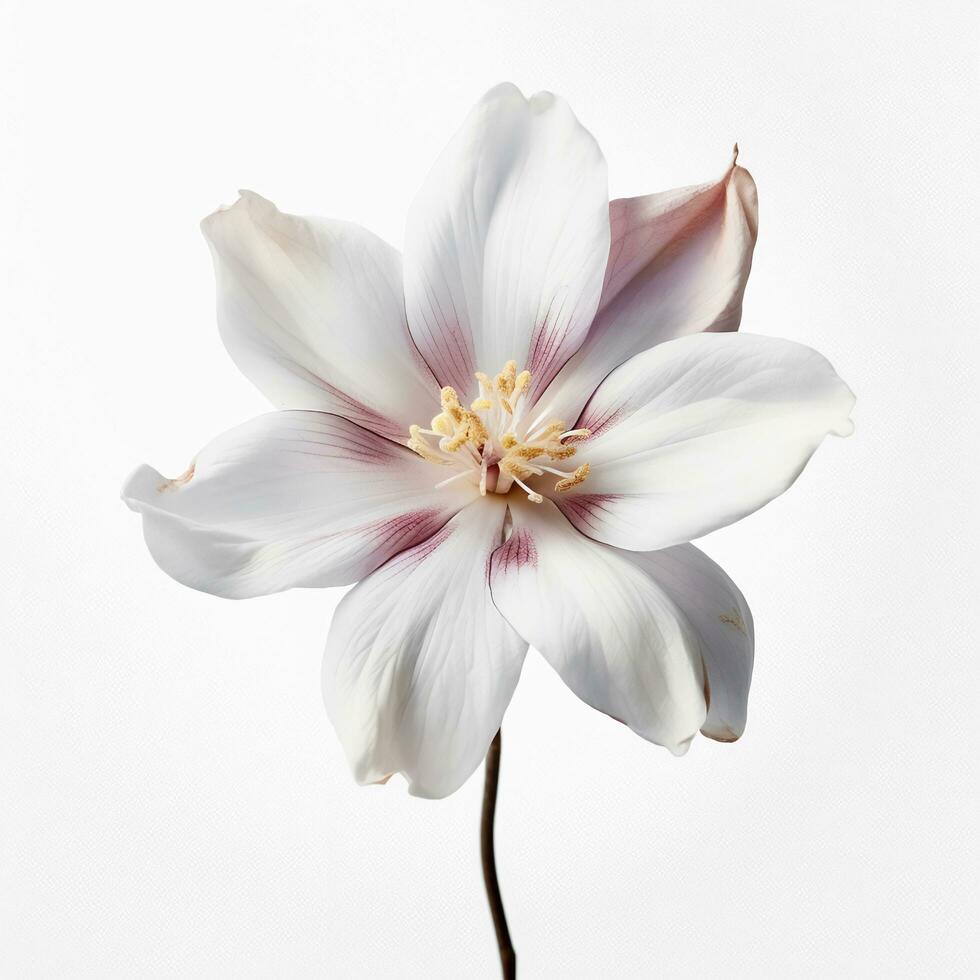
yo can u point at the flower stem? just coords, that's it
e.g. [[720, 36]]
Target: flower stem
[[508, 958]]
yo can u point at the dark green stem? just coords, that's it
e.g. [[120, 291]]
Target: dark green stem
[[508, 958]]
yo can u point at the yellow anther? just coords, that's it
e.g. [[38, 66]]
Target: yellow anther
[[418, 445], [514, 467], [450, 403], [506, 379], [485, 435], [527, 452], [476, 431], [574, 480], [551, 431], [442, 424], [560, 452]]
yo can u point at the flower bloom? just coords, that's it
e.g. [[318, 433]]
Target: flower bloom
[[506, 436]]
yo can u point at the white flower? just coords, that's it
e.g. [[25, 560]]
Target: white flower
[[547, 501]]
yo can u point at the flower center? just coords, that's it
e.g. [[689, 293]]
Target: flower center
[[496, 443]]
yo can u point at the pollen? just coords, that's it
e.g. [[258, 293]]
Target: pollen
[[574, 480], [443, 424], [500, 441]]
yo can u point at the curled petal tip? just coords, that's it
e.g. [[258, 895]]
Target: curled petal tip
[[247, 203], [253, 199]]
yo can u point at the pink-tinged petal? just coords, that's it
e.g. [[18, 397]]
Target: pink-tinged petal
[[722, 623], [289, 499], [614, 635], [420, 666], [507, 241], [678, 264], [312, 311], [697, 433]]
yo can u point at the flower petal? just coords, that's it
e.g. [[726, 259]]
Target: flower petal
[[419, 666], [614, 635], [312, 312], [697, 433], [721, 620], [289, 499], [507, 241], [678, 264]]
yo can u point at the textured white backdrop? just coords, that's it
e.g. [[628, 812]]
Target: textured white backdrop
[[174, 803]]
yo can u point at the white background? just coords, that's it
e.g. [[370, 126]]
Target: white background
[[174, 802]]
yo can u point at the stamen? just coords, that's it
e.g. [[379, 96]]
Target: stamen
[[526, 452], [486, 434], [550, 431], [561, 452], [476, 431], [453, 445], [442, 424], [513, 467], [451, 405], [507, 378], [574, 480], [535, 498], [418, 445]]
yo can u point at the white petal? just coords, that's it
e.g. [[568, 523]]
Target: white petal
[[722, 622], [419, 666], [312, 311], [507, 241], [289, 499], [613, 634], [697, 433], [678, 264]]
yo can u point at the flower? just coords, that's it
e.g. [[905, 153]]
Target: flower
[[507, 437]]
